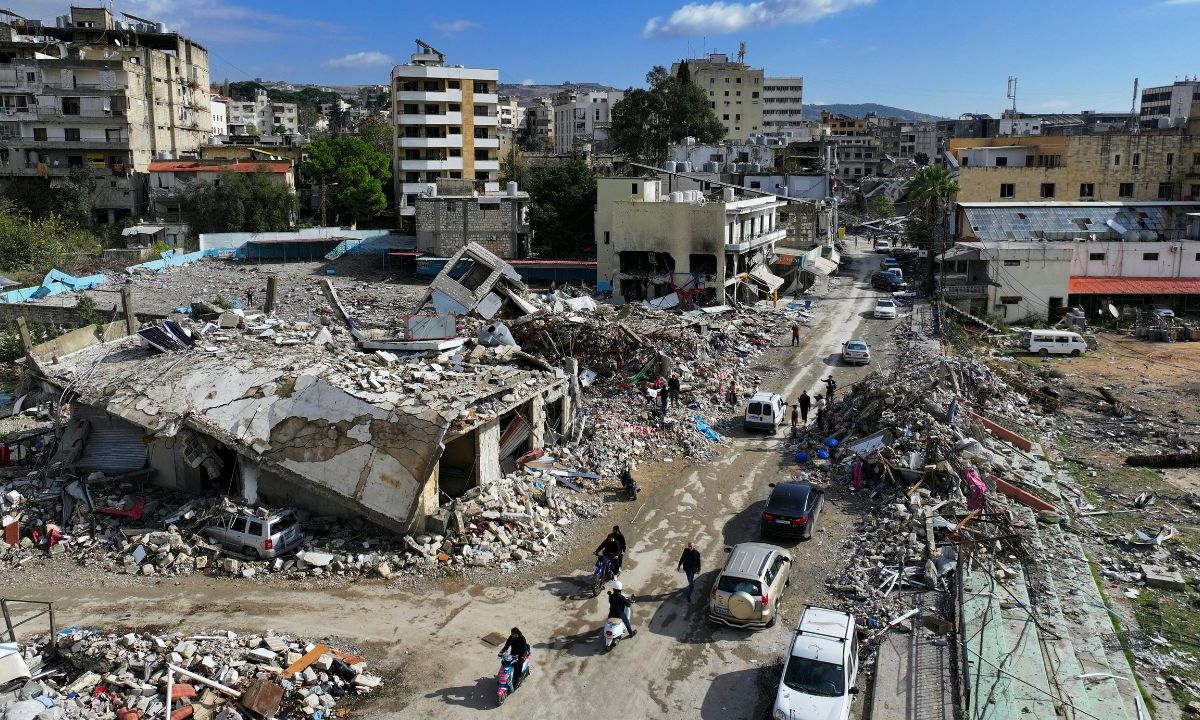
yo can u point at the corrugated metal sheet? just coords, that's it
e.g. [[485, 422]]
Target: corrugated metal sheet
[[113, 445], [1133, 286]]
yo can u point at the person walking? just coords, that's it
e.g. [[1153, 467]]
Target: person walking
[[822, 414], [830, 388], [733, 394], [795, 333], [673, 387], [804, 403], [795, 419], [689, 562]]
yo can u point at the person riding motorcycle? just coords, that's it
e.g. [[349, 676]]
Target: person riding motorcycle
[[612, 548], [519, 646], [619, 604]]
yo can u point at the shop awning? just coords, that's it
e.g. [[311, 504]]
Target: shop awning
[[1133, 286], [766, 278], [819, 266]]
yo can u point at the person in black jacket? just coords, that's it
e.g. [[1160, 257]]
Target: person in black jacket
[[619, 604], [611, 549], [519, 646], [689, 561]]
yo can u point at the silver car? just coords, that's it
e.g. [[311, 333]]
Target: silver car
[[746, 593], [255, 536]]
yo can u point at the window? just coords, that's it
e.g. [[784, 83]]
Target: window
[[1126, 190], [1194, 191], [39, 133], [482, 154], [1170, 156], [1137, 159], [481, 133], [1095, 256], [239, 525], [726, 93], [634, 189], [453, 85], [1001, 161], [607, 239], [70, 106], [724, 117], [1166, 191], [1087, 190], [1010, 300], [1047, 190], [455, 152], [754, 95], [1196, 158], [1012, 263], [254, 528], [1117, 160], [1150, 257], [1007, 190], [739, 80], [71, 134]]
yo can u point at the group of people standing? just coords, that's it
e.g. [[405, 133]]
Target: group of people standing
[[804, 405]]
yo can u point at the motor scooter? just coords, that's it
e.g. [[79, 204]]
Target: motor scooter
[[508, 679], [629, 484]]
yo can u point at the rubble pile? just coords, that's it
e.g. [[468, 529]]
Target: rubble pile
[[87, 674]]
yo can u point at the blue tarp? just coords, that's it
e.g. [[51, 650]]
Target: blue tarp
[[170, 258], [55, 282]]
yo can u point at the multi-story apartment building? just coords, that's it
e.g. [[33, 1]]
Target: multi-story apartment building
[[582, 120], [99, 94], [735, 92], [783, 104], [541, 116], [856, 157], [263, 116], [846, 126], [444, 119], [1163, 165], [510, 112], [1168, 105], [218, 112]]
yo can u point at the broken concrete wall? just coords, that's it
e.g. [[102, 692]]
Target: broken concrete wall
[[487, 452], [170, 469]]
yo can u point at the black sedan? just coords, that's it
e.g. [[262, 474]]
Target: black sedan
[[792, 510]]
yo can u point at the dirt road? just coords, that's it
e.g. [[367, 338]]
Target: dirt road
[[428, 641]]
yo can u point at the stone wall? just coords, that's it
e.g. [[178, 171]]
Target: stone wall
[[446, 225]]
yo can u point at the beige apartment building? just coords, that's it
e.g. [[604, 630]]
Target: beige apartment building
[[735, 92], [99, 94], [1103, 167], [444, 124]]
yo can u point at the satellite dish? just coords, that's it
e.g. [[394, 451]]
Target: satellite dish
[[1113, 311]]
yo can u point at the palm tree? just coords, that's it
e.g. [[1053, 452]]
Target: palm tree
[[930, 191]]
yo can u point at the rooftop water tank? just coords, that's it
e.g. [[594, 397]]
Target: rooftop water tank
[[675, 197], [669, 166], [728, 194], [685, 167], [756, 167], [512, 188]]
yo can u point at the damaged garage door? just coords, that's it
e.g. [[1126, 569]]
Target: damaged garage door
[[113, 446]]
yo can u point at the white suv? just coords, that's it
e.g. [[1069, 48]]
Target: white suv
[[819, 671]]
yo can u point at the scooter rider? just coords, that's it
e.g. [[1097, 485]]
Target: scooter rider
[[519, 646], [619, 604]]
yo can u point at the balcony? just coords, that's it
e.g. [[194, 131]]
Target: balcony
[[963, 291], [487, 165], [450, 118], [447, 164], [120, 144], [756, 241], [487, 142], [487, 120], [431, 96], [421, 142], [485, 98]]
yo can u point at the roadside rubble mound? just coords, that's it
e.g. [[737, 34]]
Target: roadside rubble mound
[[88, 674]]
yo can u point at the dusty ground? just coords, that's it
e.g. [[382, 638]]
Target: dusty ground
[[1158, 384], [427, 640]]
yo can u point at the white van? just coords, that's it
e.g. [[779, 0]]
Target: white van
[[1053, 342], [764, 411]]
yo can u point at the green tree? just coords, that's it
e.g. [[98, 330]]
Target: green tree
[[34, 245], [513, 167], [882, 206], [239, 202], [561, 205], [74, 198], [279, 130], [685, 72], [647, 122], [930, 191], [376, 132], [921, 159], [351, 174]]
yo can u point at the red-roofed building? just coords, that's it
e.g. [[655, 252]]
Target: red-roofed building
[[170, 178]]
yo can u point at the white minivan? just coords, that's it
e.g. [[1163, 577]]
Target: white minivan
[[1053, 342], [764, 411]]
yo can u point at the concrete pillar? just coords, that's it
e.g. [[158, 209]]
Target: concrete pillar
[[270, 303], [537, 421], [127, 308], [249, 480], [487, 452], [23, 331]]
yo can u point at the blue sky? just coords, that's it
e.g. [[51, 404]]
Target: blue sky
[[939, 56]]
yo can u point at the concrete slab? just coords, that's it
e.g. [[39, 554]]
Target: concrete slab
[[1161, 577], [890, 686]]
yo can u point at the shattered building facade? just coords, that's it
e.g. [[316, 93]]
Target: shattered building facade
[[457, 214], [651, 244]]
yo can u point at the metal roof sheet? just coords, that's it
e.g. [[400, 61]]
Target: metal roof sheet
[[1133, 286]]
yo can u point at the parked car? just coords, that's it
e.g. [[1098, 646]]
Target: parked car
[[883, 246], [764, 411], [888, 263], [904, 254], [887, 281], [895, 272], [820, 668], [747, 590], [885, 308], [1162, 311], [255, 536], [1053, 342], [856, 352], [792, 510]]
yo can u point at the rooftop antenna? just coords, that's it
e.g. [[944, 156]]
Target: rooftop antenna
[[1012, 94], [1133, 118], [742, 52]]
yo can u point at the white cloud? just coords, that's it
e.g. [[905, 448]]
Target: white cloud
[[528, 81], [451, 28], [354, 61], [1182, 2], [717, 18]]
